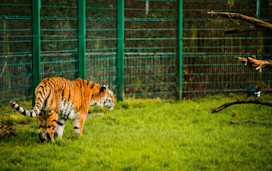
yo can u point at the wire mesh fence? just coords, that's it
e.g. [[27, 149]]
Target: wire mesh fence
[[101, 42], [150, 49], [209, 54], [145, 33]]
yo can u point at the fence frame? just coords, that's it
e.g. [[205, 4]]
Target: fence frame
[[81, 40], [120, 49], [179, 47], [36, 45]]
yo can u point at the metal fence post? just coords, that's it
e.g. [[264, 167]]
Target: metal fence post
[[120, 49], [81, 40], [36, 45], [258, 9], [179, 48]]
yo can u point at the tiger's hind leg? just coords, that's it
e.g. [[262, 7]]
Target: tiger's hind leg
[[52, 119], [42, 127]]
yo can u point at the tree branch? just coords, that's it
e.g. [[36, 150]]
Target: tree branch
[[240, 102], [255, 63], [258, 23]]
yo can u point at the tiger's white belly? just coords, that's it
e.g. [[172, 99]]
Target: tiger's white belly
[[67, 111]]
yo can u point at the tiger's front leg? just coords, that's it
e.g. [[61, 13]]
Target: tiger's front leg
[[60, 127], [77, 127], [79, 123]]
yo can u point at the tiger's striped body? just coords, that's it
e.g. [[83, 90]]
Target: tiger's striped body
[[58, 99]]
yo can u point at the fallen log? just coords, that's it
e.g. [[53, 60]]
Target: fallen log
[[240, 102]]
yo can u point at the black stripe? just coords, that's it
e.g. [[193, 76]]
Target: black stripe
[[41, 126], [59, 123], [45, 102], [42, 88], [13, 104], [49, 126], [24, 113], [49, 93], [62, 94], [31, 114], [68, 115], [39, 99], [76, 127], [80, 83], [53, 83], [17, 108], [45, 82], [54, 120], [92, 85], [88, 83]]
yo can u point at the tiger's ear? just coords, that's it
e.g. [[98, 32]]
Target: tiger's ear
[[103, 88]]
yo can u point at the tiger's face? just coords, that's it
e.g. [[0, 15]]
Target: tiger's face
[[105, 98], [109, 100]]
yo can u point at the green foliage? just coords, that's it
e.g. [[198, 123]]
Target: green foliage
[[151, 135]]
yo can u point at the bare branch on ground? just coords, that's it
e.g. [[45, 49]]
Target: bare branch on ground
[[263, 123], [240, 102]]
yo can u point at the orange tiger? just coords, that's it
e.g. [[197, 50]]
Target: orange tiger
[[58, 99]]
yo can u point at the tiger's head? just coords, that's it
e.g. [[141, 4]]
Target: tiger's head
[[103, 97]]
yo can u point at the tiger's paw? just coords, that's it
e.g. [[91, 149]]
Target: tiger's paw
[[50, 137], [42, 137]]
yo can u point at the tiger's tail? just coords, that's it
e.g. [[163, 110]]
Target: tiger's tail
[[40, 97]]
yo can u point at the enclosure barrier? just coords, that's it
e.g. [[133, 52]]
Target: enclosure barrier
[[168, 49]]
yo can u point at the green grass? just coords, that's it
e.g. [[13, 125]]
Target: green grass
[[152, 135]]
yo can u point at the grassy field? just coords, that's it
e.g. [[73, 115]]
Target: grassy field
[[150, 135]]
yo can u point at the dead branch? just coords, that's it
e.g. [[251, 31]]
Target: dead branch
[[252, 62], [240, 102], [258, 23], [263, 123]]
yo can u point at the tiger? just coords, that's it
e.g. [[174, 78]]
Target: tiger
[[58, 99]]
